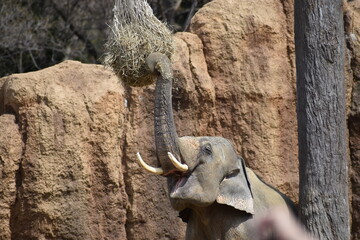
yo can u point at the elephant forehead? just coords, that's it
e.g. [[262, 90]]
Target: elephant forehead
[[190, 147], [189, 143]]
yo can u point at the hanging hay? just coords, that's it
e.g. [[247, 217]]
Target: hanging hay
[[136, 34]]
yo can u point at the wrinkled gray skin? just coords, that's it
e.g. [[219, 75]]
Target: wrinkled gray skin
[[218, 196]]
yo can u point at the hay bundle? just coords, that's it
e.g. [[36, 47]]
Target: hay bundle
[[136, 34]]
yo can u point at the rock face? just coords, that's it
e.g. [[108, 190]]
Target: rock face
[[250, 56], [352, 17], [69, 133], [66, 186], [11, 152], [354, 140], [72, 181]]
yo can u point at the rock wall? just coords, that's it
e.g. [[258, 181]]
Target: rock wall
[[354, 140], [11, 152], [69, 180], [69, 133], [352, 27], [249, 50]]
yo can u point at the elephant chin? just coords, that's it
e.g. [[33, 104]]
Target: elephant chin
[[186, 192]]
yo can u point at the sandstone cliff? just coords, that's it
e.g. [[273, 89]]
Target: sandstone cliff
[[352, 27], [69, 133]]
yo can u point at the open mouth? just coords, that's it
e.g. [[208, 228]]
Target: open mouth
[[179, 181]]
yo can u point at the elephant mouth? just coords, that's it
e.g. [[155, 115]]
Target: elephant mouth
[[178, 181]]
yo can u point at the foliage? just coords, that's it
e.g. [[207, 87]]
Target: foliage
[[36, 33], [177, 13]]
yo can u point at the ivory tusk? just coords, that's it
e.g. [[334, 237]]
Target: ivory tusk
[[180, 166], [154, 170]]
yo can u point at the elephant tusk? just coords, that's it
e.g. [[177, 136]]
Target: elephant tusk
[[180, 166], [154, 170]]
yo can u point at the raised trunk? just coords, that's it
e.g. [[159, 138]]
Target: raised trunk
[[166, 138]]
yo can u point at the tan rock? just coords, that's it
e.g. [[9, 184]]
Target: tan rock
[[352, 20], [354, 142], [193, 90], [249, 53], [10, 155], [352, 13], [71, 184]]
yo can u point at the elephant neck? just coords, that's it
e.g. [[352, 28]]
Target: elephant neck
[[217, 221]]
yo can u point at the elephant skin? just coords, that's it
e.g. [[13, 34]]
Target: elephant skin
[[219, 197]]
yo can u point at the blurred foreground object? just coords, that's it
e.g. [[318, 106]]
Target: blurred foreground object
[[278, 224]]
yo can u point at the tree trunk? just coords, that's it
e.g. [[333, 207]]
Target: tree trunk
[[320, 44]]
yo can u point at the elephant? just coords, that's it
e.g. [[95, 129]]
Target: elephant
[[208, 183]]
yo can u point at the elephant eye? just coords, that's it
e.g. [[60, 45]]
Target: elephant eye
[[207, 149], [233, 173]]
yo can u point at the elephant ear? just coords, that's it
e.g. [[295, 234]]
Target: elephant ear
[[235, 189]]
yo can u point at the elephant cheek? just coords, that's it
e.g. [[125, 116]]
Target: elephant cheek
[[192, 194]]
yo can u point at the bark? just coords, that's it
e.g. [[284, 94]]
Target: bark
[[319, 40]]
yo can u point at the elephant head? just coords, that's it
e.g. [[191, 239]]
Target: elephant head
[[200, 170], [216, 174]]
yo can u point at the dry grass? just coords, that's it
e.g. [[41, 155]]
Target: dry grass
[[136, 34]]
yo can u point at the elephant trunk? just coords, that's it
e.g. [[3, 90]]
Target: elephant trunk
[[166, 139]]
